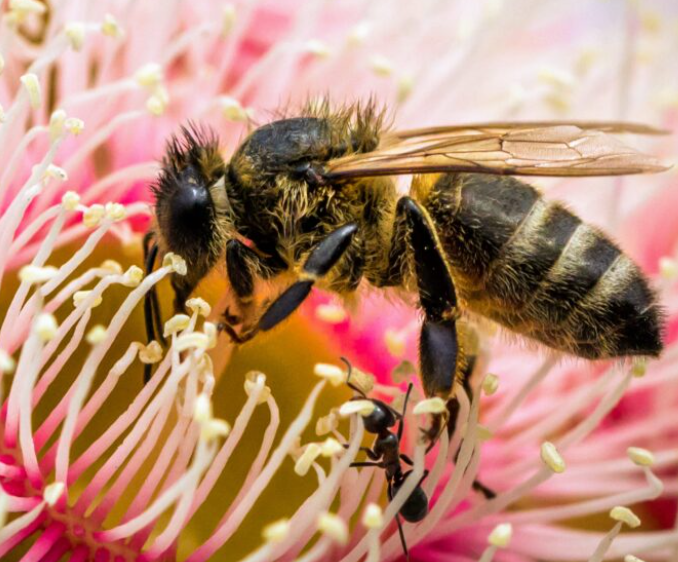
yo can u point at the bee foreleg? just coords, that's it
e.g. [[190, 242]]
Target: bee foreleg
[[321, 259], [438, 345], [239, 262]]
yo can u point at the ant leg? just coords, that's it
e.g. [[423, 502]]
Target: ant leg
[[366, 463], [321, 259], [484, 490], [369, 452], [401, 425], [407, 460], [400, 525]]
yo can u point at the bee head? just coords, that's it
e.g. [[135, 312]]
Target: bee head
[[191, 204]]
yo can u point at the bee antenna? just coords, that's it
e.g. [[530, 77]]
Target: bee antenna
[[151, 304]]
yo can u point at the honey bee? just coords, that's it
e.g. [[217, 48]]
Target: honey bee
[[314, 196]]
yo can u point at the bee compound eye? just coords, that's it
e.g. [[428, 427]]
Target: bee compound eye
[[190, 205]]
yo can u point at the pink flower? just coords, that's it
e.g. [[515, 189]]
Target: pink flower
[[89, 100]]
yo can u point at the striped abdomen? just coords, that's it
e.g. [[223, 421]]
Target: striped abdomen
[[534, 267]]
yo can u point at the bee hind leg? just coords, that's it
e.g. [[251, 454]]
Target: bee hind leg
[[438, 345], [439, 351]]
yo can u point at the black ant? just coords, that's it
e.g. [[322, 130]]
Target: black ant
[[386, 454]]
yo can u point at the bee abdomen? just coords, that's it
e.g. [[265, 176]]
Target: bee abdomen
[[594, 302], [533, 266]]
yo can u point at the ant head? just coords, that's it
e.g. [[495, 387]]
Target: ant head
[[415, 507], [381, 418]]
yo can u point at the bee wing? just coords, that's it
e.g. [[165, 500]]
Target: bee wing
[[528, 149]]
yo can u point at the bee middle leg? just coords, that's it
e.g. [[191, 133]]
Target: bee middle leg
[[321, 259]]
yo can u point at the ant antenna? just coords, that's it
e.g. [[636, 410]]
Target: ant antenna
[[402, 416], [348, 378]]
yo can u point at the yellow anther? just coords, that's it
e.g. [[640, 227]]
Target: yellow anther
[[381, 66], [132, 276], [55, 172], [331, 313], [45, 326], [335, 375], [74, 125], [112, 266], [330, 447], [625, 515], [149, 75], [277, 531], [176, 262], [115, 211], [93, 215], [326, 424], [395, 342], [501, 535], [151, 353], [196, 340], [435, 405], [668, 268], [177, 323], [251, 383], [641, 457], [75, 33], [111, 28], [334, 527], [53, 492], [359, 34], [37, 274], [639, 367], [56, 124], [81, 296], [232, 109], [70, 200], [227, 19], [317, 48], [307, 458], [214, 428], [551, 457], [32, 86], [96, 335], [199, 306], [7, 364], [362, 407], [490, 384], [373, 516]]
